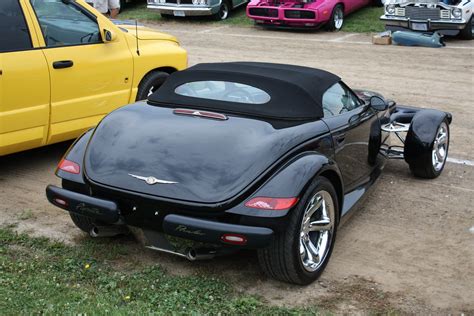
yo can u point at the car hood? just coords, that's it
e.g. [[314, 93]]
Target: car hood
[[146, 33], [210, 161]]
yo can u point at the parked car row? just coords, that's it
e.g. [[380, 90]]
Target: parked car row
[[450, 17]]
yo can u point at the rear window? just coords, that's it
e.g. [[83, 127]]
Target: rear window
[[223, 91]]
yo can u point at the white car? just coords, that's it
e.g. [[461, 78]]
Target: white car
[[448, 17]]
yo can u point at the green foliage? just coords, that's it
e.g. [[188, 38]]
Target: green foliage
[[38, 276]]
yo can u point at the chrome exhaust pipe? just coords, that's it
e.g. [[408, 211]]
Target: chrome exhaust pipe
[[108, 231], [200, 254]]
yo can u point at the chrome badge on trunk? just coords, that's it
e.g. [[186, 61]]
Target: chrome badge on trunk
[[152, 180]]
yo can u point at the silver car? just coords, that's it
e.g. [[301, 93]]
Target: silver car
[[218, 9]]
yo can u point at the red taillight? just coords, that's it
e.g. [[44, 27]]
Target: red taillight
[[234, 239], [267, 203], [69, 166]]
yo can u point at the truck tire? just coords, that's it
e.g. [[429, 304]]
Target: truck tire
[[426, 153], [301, 252], [150, 83], [467, 32]]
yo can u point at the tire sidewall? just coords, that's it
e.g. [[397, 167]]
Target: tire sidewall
[[318, 184], [224, 5], [435, 172], [153, 79], [332, 23]]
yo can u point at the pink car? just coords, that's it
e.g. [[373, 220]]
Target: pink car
[[303, 13]]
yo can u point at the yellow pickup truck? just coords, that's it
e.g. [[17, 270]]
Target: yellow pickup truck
[[63, 66]]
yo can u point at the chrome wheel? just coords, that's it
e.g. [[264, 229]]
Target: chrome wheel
[[224, 11], [338, 18], [440, 147], [317, 228]]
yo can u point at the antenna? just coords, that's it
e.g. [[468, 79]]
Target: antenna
[[136, 35]]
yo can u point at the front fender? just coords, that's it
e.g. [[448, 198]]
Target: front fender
[[290, 181]]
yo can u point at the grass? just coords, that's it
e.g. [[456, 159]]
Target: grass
[[363, 21], [38, 276]]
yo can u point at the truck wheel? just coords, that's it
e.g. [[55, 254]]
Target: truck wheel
[[431, 159], [337, 19], [467, 33], [223, 11], [150, 83], [300, 253]]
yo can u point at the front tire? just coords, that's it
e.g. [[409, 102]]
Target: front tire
[[430, 163], [337, 19], [224, 11], [467, 33], [300, 253], [150, 83]]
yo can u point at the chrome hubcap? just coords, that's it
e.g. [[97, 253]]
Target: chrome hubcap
[[224, 12], [317, 228], [338, 18], [440, 147]]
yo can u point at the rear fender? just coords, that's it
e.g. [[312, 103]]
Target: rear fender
[[76, 153], [290, 181]]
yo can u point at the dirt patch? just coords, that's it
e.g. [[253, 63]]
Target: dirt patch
[[410, 240]]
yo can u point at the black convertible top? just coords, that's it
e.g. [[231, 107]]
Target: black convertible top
[[295, 91]]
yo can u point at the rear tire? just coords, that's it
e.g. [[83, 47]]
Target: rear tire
[[295, 255], [430, 163], [467, 32], [337, 19], [82, 222], [150, 83]]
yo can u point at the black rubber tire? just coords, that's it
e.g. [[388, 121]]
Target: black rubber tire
[[153, 80], [281, 260], [467, 32], [82, 222], [331, 26], [219, 16], [377, 3], [423, 167]]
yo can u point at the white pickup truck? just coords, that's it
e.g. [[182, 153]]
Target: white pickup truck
[[448, 17]]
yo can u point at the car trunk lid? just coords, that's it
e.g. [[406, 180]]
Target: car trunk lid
[[152, 150]]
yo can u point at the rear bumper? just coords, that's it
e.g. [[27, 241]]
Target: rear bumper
[[196, 229], [283, 16]]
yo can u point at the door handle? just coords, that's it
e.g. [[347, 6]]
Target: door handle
[[63, 64]]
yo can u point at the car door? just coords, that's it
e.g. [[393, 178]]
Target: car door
[[24, 82], [89, 77], [350, 122]]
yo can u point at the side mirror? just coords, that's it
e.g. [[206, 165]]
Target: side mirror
[[378, 103], [109, 36]]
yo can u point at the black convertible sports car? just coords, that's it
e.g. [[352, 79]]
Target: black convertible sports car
[[228, 156]]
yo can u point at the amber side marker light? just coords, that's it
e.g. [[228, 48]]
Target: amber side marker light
[[272, 204], [69, 166]]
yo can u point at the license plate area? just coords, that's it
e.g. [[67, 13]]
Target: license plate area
[[419, 26], [178, 13]]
